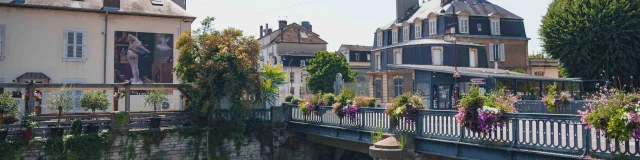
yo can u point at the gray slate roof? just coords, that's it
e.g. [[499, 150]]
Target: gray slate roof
[[357, 47], [479, 72], [474, 7], [425, 41], [134, 7]]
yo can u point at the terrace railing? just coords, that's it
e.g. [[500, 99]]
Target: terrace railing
[[537, 106], [561, 134]]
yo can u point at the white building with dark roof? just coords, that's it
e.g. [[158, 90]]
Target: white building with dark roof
[[88, 41]]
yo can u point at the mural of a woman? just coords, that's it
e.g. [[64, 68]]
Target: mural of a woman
[[135, 48]]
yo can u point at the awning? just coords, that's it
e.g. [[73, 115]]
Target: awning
[[35, 76]]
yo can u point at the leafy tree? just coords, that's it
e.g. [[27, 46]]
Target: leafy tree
[[94, 100], [594, 39], [323, 70], [61, 99], [562, 71], [273, 77], [154, 98], [8, 106], [518, 70]]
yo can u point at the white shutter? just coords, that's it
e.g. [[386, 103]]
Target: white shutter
[[472, 58], [492, 54], [65, 38], [502, 56]]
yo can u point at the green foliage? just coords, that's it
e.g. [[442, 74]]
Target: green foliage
[[76, 126], [155, 97], [472, 98], [94, 100], [11, 149], [615, 113], [61, 98], [323, 70], [78, 147], [296, 101], [363, 101], [8, 106], [26, 120], [518, 70], [377, 135], [403, 141], [329, 99], [273, 77], [121, 118], [562, 72], [595, 39], [346, 95], [288, 98]]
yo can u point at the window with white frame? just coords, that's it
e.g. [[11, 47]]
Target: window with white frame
[[379, 39], [397, 86], [473, 58], [418, 30], [75, 94], [497, 52], [436, 56], [368, 57], [432, 27], [479, 27], [357, 57], [394, 36], [397, 58], [405, 33], [464, 24], [75, 44], [1, 41], [302, 63], [495, 27], [378, 61]]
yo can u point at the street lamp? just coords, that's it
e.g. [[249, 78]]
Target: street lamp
[[451, 37]]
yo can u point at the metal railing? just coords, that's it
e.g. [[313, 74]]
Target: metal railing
[[562, 134], [537, 106]]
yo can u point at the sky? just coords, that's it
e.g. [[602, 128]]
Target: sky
[[336, 21]]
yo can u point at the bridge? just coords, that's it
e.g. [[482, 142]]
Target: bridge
[[436, 132]]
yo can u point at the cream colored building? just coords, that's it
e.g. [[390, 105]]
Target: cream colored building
[[36, 36], [544, 67]]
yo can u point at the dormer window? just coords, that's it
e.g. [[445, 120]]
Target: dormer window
[[464, 24], [432, 27], [379, 38], [394, 36], [405, 33], [495, 26], [418, 30]]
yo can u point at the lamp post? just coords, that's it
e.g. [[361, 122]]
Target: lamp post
[[451, 37]]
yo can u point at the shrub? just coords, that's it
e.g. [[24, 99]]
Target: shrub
[[288, 98], [615, 113], [94, 100], [372, 102], [404, 106], [296, 101], [8, 106], [362, 101], [346, 95], [329, 99]]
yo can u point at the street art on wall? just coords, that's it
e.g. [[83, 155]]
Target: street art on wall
[[142, 57]]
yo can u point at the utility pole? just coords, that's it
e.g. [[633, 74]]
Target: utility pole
[[456, 74]]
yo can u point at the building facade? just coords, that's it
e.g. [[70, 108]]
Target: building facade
[[91, 41], [544, 67], [485, 35], [359, 59], [292, 46]]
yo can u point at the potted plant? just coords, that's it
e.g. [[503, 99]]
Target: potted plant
[[154, 98], [76, 127], [94, 100], [26, 125], [8, 106], [62, 102]]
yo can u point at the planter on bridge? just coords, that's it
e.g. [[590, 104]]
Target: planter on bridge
[[388, 149]]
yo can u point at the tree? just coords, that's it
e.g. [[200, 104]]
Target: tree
[[273, 77], [61, 100], [518, 70], [594, 39], [8, 106], [323, 70], [154, 98], [94, 100]]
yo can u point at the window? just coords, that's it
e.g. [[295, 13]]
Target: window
[[379, 39], [405, 33], [394, 36], [495, 27], [436, 56], [378, 88], [1, 41], [397, 87], [432, 27], [418, 30], [473, 58], [74, 45], [479, 27], [75, 94], [292, 90], [397, 59], [497, 52], [539, 73], [378, 61], [464, 24], [291, 74], [302, 63], [357, 57], [368, 57]]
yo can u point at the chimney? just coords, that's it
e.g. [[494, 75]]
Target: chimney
[[181, 3], [111, 5], [270, 30], [282, 24], [307, 25], [402, 6], [266, 29], [261, 31]]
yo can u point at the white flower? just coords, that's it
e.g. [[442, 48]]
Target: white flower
[[637, 109], [626, 116], [626, 106]]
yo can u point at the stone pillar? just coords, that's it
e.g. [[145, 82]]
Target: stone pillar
[[388, 149]]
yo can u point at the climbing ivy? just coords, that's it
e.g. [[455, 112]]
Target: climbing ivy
[[10, 150]]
